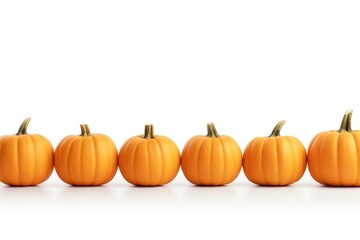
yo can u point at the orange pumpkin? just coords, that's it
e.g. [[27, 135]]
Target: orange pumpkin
[[275, 160], [211, 160], [86, 160], [334, 156], [25, 159], [149, 160]]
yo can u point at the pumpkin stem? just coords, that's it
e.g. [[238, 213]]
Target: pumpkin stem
[[85, 130], [211, 130], [276, 131], [149, 131], [23, 127], [346, 122]]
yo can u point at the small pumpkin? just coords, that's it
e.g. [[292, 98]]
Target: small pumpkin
[[87, 159], [211, 160], [274, 160], [25, 159], [334, 156], [149, 160]]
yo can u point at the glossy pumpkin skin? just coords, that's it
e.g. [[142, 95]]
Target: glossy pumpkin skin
[[275, 160], [334, 156], [211, 160], [25, 159], [87, 159], [149, 160]]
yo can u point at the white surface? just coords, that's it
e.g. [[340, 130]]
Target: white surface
[[118, 65]]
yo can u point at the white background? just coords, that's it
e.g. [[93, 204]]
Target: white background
[[118, 65]]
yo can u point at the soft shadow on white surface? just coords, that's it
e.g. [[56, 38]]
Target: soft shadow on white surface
[[235, 196], [86, 199], [25, 199], [204, 199], [274, 199], [154, 208], [152, 199], [344, 200]]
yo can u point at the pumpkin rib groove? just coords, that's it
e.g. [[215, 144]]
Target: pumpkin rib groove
[[67, 172], [114, 165], [51, 153], [245, 159], [337, 159], [252, 169], [295, 149], [210, 163], [357, 143], [262, 161], [34, 146], [113, 150], [104, 164], [175, 154], [2, 165], [223, 180], [81, 162], [302, 152], [135, 160], [159, 149], [133, 157], [314, 154], [148, 161], [70, 179], [183, 164], [185, 155], [249, 150], [357, 159], [197, 161], [321, 142], [44, 142], [1, 152], [124, 149], [18, 160], [95, 174], [177, 164], [327, 136], [310, 153], [277, 182], [235, 171]]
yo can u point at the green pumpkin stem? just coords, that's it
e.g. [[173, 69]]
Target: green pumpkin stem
[[211, 130], [276, 131], [346, 122], [149, 131], [85, 130], [23, 127]]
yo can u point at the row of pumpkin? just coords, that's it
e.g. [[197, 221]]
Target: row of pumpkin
[[87, 159]]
